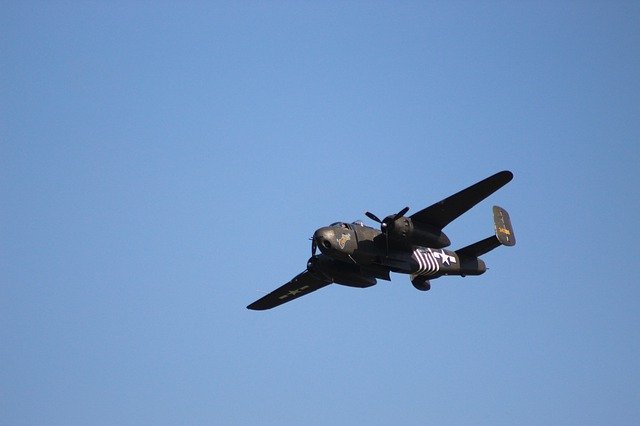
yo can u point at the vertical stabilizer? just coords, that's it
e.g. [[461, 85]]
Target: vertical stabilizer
[[504, 236], [504, 230]]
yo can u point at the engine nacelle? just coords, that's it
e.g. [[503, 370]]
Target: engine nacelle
[[404, 230], [342, 273]]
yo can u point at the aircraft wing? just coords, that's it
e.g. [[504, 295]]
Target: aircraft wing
[[446, 211], [302, 284]]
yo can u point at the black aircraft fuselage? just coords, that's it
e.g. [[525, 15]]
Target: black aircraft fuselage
[[364, 249], [356, 255]]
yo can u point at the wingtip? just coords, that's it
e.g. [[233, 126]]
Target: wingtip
[[507, 174], [257, 306], [501, 178]]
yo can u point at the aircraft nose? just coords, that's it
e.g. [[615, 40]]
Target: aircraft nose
[[323, 238]]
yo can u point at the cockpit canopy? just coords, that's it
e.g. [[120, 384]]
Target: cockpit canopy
[[340, 224], [348, 225]]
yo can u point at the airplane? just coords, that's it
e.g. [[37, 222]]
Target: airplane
[[356, 255]]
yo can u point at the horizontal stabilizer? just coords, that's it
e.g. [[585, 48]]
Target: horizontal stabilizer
[[479, 248]]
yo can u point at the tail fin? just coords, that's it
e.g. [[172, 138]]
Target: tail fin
[[504, 236], [504, 230]]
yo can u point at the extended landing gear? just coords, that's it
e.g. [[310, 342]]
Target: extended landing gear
[[421, 283]]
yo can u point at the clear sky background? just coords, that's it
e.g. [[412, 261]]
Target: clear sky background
[[163, 164]]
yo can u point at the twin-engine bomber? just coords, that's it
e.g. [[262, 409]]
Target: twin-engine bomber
[[356, 255]]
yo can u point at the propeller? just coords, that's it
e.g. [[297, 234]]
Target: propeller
[[384, 224], [314, 246], [373, 217]]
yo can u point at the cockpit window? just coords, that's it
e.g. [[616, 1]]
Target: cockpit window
[[340, 224], [359, 223]]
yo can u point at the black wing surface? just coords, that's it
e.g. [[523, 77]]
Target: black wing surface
[[446, 211], [302, 284]]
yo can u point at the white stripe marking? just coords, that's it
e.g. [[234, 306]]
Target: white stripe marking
[[421, 263], [427, 263]]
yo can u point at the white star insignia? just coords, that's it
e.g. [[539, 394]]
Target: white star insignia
[[444, 257]]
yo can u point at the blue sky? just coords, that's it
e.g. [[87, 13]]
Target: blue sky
[[163, 163]]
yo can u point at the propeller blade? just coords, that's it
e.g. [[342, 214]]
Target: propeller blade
[[373, 217], [314, 246], [401, 213], [384, 224]]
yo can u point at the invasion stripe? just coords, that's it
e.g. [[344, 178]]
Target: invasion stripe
[[432, 267], [431, 263], [421, 264], [435, 263], [427, 263]]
